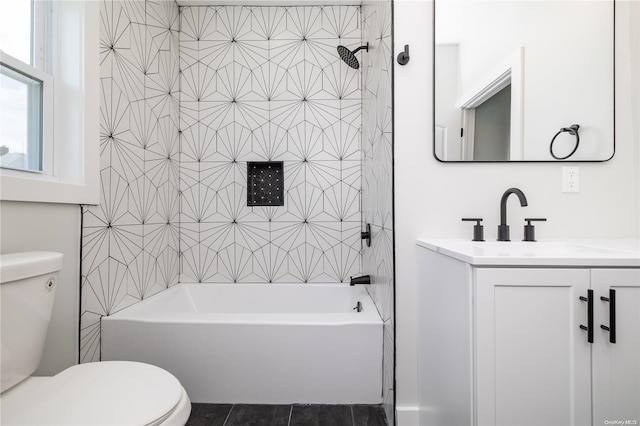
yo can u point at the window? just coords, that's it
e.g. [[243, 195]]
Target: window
[[25, 116], [15, 30], [25, 88], [49, 101]]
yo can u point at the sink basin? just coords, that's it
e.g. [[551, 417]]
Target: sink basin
[[525, 248]]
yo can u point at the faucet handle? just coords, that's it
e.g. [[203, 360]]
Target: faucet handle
[[478, 229], [530, 230]]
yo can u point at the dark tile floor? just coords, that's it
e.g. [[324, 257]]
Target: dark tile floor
[[286, 415]]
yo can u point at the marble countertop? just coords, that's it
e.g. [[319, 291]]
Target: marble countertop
[[572, 253]]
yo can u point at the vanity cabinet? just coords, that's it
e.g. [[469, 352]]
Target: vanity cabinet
[[503, 345]]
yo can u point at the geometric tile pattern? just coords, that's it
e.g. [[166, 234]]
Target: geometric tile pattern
[[266, 84], [188, 97], [377, 176], [130, 240]]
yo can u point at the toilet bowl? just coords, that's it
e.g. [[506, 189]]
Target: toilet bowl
[[100, 393], [106, 393]]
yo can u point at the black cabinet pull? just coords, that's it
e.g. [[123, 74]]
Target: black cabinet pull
[[589, 327], [612, 315]]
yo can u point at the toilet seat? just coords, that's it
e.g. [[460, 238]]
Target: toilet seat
[[105, 393]]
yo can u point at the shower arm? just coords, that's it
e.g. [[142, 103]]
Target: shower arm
[[366, 47]]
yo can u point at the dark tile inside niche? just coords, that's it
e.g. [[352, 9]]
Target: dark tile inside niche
[[265, 183]]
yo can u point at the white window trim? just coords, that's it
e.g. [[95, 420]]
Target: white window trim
[[75, 177]]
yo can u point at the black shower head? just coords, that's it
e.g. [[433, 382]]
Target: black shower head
[[349, 57]]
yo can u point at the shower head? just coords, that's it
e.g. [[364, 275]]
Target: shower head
[[349, 57]]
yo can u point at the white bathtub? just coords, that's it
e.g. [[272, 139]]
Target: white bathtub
[[257, 343]]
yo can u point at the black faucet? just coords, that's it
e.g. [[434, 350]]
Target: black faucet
[[503, 228]]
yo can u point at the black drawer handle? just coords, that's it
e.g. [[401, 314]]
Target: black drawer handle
[[589, 327], [612, 315]]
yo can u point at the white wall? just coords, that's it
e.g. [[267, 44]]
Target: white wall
[[431, 197], [50, 227]]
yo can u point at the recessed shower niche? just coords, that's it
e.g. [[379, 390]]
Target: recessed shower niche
[[265, 183]]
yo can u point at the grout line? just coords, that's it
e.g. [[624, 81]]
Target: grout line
[[228, 414]]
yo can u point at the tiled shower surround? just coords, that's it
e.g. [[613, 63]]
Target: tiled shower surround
[[377, 177], [130, 241], [188, 97], [266, 84]]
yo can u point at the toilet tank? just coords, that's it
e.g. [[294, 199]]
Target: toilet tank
[[27, 288]]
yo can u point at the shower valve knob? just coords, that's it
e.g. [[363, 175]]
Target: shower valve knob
[[366, 235]]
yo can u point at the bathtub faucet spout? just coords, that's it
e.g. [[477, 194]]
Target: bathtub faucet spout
[[364, 279]]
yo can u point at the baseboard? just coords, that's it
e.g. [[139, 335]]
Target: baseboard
[[407, 416]]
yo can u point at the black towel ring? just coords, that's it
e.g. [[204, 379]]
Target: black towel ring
[[573, 130]]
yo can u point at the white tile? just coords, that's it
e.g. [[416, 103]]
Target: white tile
[[268, 23], [167, 267], [134, 10], [286, 52], [270, 142], [251, 54], [287, 114], [340, 82], [253, 114], [342, 21], [269, 81], [216, 54], [304, 80], [341, 141], [305, 142], [319, 52], [216, 115]]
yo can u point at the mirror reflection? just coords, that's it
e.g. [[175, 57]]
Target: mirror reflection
[[524, 80]]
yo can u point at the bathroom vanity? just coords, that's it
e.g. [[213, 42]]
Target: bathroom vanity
[[529, 333]]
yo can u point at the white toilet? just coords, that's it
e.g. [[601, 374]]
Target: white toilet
[[101, 393]]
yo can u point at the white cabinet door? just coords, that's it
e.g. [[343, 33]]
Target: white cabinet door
[[616, 366], [532, 359]]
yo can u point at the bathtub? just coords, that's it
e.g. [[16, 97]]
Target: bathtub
[[256, 343]]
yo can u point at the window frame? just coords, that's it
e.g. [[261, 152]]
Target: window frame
[[46, 111], [73, 175]]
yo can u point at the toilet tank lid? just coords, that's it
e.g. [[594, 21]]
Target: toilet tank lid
[[18, 266]]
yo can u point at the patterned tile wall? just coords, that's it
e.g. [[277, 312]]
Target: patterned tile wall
[[266, 84], [377, 162], [130, 241], [257, 84]]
